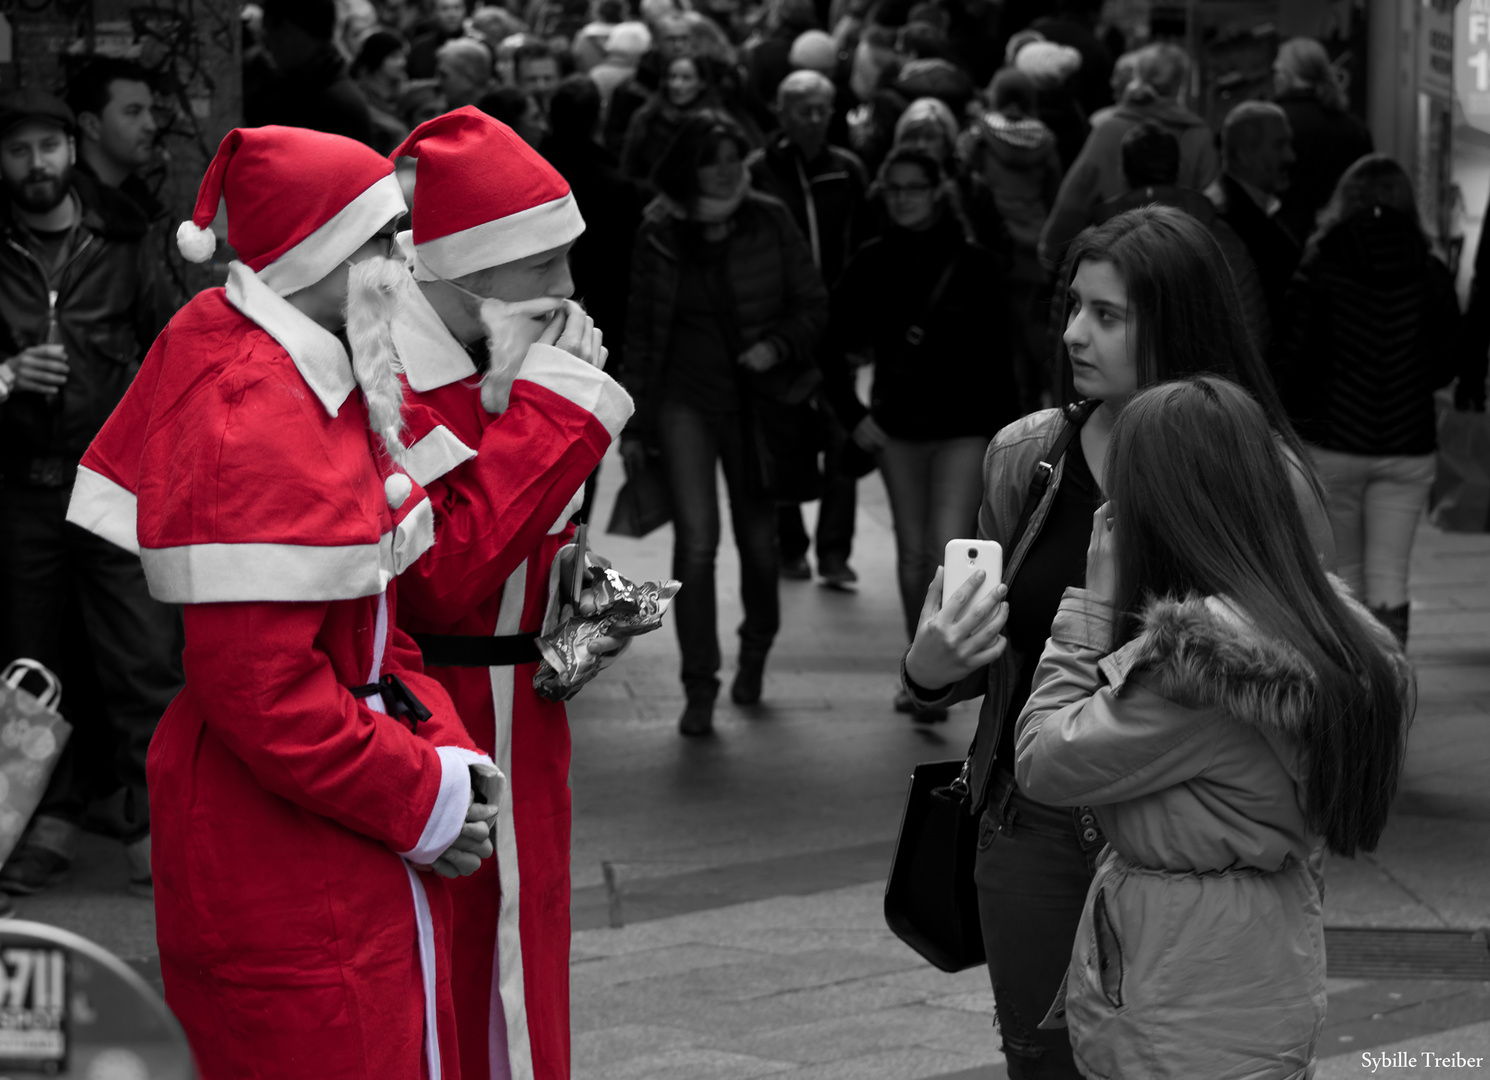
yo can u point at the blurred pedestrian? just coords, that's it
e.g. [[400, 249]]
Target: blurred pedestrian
[[918, 299], [1327, 139], [1123, 70], [448, 23], [1190, 699], [1147, 299], [767, 53], [381, 72], [685, 90], [671, 38], [81, 298], [927, 125], [1053, 69], [627, 44], [1073, 24], [310, 87], [1371, 330], [726, 312], [114, 102], [1161, 74], [519, 111], [1017, 157], [537, 70], [590, 41], [1257, 149], [824, 187], [464, 69]]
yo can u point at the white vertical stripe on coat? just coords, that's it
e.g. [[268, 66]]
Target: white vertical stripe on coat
[[507, 965]]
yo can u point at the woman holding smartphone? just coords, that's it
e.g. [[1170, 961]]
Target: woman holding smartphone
[[1148, 298], [1230, 712]]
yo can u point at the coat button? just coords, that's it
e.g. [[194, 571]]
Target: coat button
[[1089, 835], [1087, 819], [397, 488]]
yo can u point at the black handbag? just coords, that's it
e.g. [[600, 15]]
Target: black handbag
[[644, 503], [931, 901]]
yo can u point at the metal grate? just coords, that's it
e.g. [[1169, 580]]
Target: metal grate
[[1371, 953]]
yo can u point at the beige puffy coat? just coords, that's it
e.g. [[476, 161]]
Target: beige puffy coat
[[1201, 949]]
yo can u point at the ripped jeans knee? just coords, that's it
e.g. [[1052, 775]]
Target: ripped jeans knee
[[1029, 1052]]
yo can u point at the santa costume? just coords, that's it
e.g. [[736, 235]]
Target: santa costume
[[296, 937], [502, 485]]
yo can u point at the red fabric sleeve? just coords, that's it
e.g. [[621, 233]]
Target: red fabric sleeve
[[492, 511], [270, 693]]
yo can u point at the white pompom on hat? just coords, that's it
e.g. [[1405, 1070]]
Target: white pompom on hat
[[195, 243], [1047, 63]]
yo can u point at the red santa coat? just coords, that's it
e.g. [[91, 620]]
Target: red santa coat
[[296, 939], [502, 488]]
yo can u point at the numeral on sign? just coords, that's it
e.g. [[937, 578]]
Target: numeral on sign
[[1480, 61]]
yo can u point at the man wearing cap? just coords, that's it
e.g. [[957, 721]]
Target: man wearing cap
[[81, 298], [309, 776], [504, 458]]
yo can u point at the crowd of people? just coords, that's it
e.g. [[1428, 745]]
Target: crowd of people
[[1179, 374]]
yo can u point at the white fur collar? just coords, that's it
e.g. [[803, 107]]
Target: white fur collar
[[318, 355], [428, 353]]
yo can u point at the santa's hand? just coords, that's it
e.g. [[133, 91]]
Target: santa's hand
[[474, 842], [609, 649], [581, 337]]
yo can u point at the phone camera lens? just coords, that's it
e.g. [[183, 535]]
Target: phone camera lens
[[972, 553]]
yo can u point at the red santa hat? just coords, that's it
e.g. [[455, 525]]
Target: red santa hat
[[482, 196], [343, 193]]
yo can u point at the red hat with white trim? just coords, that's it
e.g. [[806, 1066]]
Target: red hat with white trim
[[344, 193], [482, 196]]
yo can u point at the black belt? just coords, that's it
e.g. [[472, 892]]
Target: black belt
[[461, 650]]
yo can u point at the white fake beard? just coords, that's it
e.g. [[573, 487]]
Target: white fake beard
[[508, 336], [375, 288]]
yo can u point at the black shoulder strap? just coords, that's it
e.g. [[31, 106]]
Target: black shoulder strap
[[1075, 415], [916, 333]]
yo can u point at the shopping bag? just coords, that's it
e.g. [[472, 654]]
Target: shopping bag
[[1461, 488], [931, 901], [32, 736], [644, 503]]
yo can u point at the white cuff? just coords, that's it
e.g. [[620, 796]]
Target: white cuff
[[104, 508], [449, 815], [588, 387], [435, 455]]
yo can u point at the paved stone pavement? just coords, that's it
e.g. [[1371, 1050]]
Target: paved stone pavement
[[747, 869]]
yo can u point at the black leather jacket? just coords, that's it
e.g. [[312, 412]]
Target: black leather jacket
[[111, 302]]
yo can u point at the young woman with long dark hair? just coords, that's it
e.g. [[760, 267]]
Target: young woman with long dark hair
[[1228, 712], [1148, 298]]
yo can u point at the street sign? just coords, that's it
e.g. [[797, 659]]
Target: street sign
[[1436, 49], [1472, 61]]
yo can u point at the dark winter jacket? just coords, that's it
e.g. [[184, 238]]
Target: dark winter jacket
[[319, 95], [957, 379], [1372, 330], [1021, 165], [1275, 251], [1325, 143], [112, 301], [778, 297], [835, 182], [1097, 172], [651, 131], [601, 258]]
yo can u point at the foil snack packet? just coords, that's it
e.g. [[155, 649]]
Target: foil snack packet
[[626, 610]]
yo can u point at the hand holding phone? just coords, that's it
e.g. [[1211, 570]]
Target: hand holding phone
[[962, 557]]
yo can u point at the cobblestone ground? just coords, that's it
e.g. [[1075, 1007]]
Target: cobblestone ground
[[746, 870]]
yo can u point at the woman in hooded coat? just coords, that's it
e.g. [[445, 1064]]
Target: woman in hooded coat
[[1229, 712]]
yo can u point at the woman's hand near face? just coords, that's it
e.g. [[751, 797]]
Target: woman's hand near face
[[1101, 566], [955, 639]]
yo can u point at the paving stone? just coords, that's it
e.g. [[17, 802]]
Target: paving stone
[[685, 1063]]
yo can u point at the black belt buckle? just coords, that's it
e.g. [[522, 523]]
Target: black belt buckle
[[398, 700]]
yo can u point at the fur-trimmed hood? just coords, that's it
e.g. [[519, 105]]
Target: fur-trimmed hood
[[1205, 652]]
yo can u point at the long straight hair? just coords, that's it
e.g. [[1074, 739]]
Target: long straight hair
[[1185, 317], [1202, 506]]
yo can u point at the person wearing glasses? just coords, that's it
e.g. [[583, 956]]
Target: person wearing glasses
[[918, 298]]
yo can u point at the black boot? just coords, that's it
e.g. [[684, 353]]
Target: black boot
[[697, 718], [1394, 619], [746, 689]]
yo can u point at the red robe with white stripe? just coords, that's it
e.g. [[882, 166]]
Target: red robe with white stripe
[[502, 487], [296, 938]]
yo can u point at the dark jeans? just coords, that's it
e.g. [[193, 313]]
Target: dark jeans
[[835, 512], [56, 580], [693, 445], [1034, 865]]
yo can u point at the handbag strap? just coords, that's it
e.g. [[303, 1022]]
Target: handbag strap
[[915, 333]]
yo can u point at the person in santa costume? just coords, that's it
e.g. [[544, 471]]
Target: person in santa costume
[[508, 412], [310, 774]]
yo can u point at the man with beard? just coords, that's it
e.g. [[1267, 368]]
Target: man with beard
[[114, 104], [504, 458], [80, 300], [310, 87]]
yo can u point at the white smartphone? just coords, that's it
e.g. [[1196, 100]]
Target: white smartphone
[[962, 558]]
